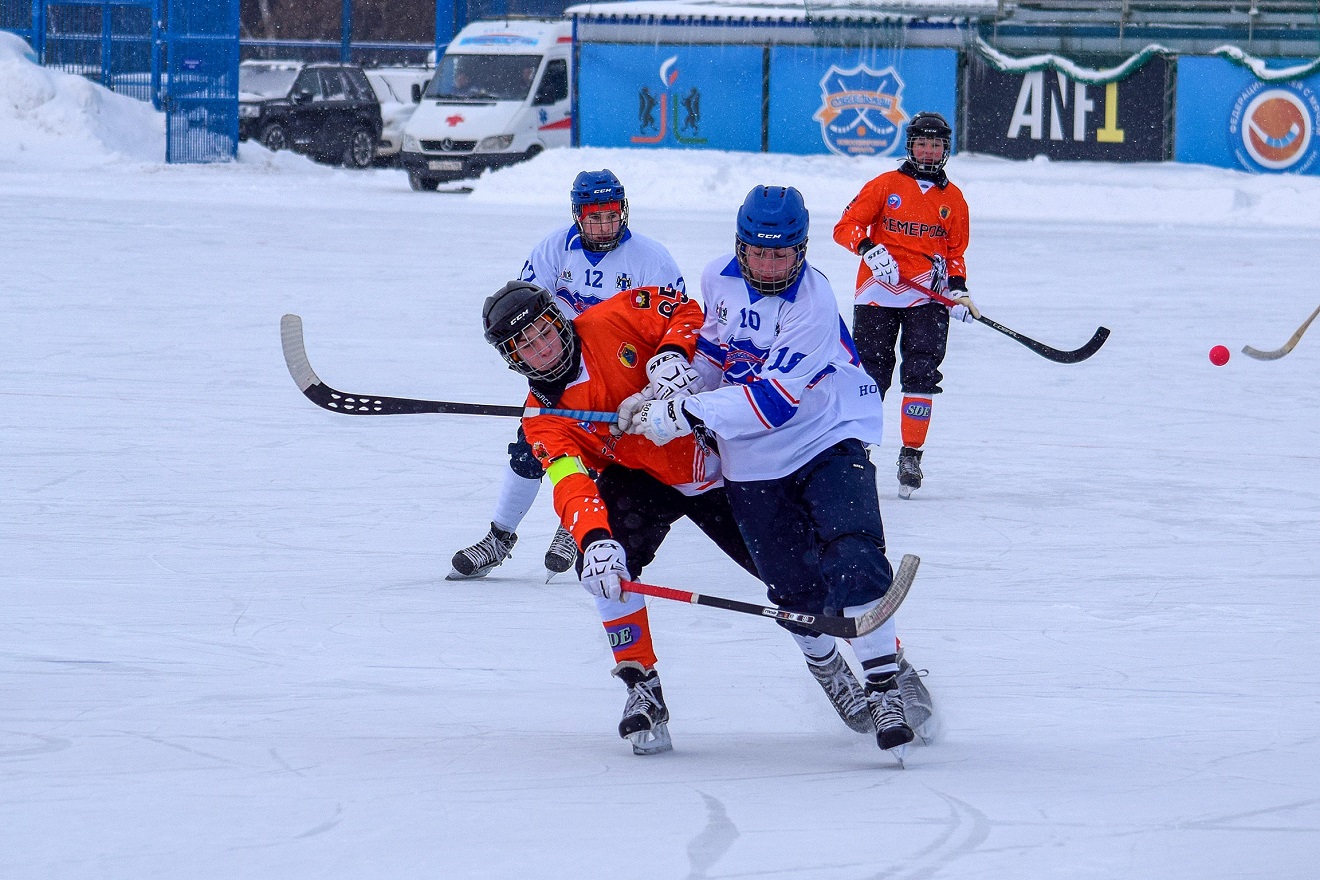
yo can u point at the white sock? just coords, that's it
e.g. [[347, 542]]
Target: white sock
[[815, 646], [877, 650], [516, 497]]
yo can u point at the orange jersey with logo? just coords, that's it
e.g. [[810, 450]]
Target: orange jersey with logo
[[618, 337], [914, 220]]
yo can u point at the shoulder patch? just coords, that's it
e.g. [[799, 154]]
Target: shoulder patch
[[641, 298], [541, 453], [628, 355]]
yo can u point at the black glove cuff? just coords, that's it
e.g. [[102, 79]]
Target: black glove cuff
[[958, 282], [864, 245], [596, 535]]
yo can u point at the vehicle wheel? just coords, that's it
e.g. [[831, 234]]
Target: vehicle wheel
[[361, 149], [274, 137], [421, 183]]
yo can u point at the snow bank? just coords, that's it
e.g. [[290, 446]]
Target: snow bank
[[997, 189], [51, 119]]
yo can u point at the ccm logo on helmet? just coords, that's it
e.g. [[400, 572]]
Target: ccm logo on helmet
[[769, 236]]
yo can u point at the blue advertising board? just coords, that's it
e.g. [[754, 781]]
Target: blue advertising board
[[657, 95], [1230, 118], [855, 101]]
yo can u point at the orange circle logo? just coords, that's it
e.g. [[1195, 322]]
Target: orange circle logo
[[1276, 129]]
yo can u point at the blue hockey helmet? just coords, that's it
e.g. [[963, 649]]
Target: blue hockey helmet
[[599, 189], [772, 217]]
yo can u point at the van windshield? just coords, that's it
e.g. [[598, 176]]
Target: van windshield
[[484, 77]]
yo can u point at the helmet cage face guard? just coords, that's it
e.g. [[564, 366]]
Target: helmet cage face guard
[[775, 286], [552, 325], [598, 188], [929, 126], [609, 243]]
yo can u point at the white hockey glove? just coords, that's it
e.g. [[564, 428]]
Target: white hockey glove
[[604, 568], [881, 264], [628, 411], [661, 421], [966, 310], [671, 376]]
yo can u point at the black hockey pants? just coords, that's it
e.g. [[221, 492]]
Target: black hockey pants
[[642, 509], [817, 533], [925, 335]]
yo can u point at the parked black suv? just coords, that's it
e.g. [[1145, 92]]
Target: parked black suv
[[327, 111]]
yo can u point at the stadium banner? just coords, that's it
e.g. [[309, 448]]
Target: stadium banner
[[1024, 114], [657, 95], [855, 101], [1229, 117]]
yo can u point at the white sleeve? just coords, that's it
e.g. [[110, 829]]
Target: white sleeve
[[542, 265], [801, 354]]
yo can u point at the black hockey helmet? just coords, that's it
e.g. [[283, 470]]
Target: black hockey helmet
[[929, 125], [511, 311]]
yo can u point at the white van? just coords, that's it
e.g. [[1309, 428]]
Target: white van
[[500, 95]]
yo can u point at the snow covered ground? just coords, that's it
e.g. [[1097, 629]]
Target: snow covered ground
[[227, 648]]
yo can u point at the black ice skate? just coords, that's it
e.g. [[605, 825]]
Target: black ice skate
[[844, 690], [478, 560], [561, 554], [918, 707], [909, 471], [645, 721], [886, 702]]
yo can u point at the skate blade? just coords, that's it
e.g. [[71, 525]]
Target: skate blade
[[899, 754], [456, 575], [550, 575], [929, 731], [906, 491], [651, 742]]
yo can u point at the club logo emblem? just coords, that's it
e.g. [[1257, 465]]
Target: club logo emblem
[[861, 111], [1274, 127], [663, 109], [628, 355]]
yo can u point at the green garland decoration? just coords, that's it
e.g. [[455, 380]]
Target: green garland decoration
[[1096, 77]]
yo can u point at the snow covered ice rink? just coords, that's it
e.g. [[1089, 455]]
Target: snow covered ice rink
[[227, 648]]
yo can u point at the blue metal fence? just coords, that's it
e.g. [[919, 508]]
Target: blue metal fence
[[201, 97], [20, 16], [112, 42]]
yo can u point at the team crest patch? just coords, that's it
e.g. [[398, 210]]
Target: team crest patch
[[623, 281], [539, 450], [944, 212], [628, 355], [861, 111], [641, 298], [894, 200]]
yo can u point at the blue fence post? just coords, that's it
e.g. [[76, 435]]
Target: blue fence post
[[446, 23], [346, 32], [39, 28], [107, 47]]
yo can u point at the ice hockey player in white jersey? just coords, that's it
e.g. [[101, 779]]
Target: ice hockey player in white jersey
[[582, 264], [792, 411]]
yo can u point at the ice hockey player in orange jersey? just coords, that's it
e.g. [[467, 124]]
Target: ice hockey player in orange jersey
[[618, 494], [910, 227]]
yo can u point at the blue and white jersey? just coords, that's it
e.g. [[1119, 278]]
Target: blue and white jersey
[[583, 278], [785, 377]]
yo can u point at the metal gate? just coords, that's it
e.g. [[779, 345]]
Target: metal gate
[[201, 103], [18, 16], [112, 42]]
